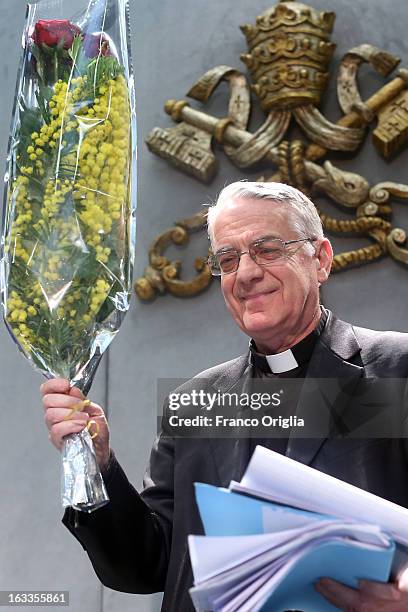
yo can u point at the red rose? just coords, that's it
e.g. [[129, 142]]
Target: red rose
[[96, 44], [52, 31]]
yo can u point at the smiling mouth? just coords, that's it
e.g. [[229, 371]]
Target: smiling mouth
[[254, 296]]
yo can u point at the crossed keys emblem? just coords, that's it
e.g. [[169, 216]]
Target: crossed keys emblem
[[289, 51]]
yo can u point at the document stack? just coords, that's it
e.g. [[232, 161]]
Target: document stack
[[272, 536]]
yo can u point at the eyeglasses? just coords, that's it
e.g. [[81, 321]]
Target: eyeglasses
[[264, 252]]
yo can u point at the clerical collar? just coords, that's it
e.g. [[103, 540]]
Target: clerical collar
[[288, 360]]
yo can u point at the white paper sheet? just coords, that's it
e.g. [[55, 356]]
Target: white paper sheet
[[277, 478], [212, 555]]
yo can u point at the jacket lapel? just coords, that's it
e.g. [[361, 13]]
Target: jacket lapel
[[232, 454], [327, 390]]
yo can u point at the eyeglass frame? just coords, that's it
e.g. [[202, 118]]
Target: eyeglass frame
[[211, 258]]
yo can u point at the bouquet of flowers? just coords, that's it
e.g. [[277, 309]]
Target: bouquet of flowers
[[69, 210]]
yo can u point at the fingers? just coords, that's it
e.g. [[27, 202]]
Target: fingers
[[370, 597], [68, 412], [58, 400], [60, 385], [64, 428], [339, 595], [379, 590], [60, 426], [59, 408], [55, 385], [75, 392], [58, 415], [402, 580], [75, 404], [62, 422]]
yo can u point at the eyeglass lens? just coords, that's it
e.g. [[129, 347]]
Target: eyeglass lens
[[263, 253]]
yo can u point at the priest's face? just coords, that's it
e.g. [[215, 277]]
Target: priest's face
[[275, 305]]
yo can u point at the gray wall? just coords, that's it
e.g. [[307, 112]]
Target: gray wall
[[174, 42]]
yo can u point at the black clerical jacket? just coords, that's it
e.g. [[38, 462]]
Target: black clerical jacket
[[138, 543]]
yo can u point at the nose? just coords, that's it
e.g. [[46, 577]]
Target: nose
[[248, 269]]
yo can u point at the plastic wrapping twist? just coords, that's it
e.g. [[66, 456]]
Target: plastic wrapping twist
[[67, 245]]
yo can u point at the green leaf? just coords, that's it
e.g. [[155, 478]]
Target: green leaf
[[46, 92], [60, 44], [36, 51], [76, 48], [100, 70], [47, 50], [43, 106]]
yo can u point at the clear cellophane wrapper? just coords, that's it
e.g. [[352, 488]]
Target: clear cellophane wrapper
[[67, 245]]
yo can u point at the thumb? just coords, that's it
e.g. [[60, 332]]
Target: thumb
[[402, 579], [94, 410]]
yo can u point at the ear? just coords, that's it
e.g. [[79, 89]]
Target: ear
[[324, 257]]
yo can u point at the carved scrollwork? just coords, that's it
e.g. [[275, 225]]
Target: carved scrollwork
[[396, 240], [239, 107], [348, 93], [163, 275], [288, 56], [264, 139], [182, 288], [381, 192], [349, 189], [327, 134]]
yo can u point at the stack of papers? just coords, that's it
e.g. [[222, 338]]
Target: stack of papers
[[272, 536]]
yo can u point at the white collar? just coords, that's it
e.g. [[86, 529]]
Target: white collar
[[282, 362]]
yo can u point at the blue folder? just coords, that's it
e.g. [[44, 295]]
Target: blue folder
[[342, 562], [226, 513]]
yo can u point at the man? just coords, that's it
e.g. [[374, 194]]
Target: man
[[272, 256]]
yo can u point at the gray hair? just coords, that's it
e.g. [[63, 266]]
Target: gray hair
[[303, 215]]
